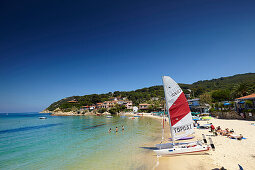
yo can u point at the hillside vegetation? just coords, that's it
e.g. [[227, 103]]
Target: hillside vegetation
[[215, 90]]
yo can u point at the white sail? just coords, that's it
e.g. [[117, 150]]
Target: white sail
[[180, 121]]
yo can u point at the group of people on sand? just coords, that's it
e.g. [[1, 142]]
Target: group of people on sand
[[226, 132], [116, 129]]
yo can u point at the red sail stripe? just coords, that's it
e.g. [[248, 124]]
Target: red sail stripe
[[179, 109]]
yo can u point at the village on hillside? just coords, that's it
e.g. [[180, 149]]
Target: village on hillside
[[243, 106]]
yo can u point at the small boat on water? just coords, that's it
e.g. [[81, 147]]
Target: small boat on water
[[42, 117], [137, 116], [133, 117], [108, 116]]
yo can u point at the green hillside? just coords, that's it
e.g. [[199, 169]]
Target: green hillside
[[224, 88]]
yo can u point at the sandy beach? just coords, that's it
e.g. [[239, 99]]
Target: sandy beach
[[228, 154]]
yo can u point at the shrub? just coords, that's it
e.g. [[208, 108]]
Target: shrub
[[113, 110], [102, 110]]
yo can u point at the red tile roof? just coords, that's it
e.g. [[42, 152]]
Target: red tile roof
[[72, 101], [251, 96]]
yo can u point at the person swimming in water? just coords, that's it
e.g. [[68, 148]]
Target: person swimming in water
[[122, 128], [110, 130], [116, 129]]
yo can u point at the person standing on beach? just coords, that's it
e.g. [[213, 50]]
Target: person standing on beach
[[116, 129], [212, 128], [122, 128]]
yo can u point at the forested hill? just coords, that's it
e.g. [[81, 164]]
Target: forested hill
[[224, 88], [226, 82]]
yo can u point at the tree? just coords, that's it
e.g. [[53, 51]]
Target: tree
[[248, 103], [74, 109], [240, 90], [113, 110], [120, 108], [220, 95], [198, 91], [206, 98], [102, 110]]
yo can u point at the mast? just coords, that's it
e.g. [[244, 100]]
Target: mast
[[167, 108], [163, 124]]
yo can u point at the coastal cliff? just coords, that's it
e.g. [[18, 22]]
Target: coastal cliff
[[59, 112]]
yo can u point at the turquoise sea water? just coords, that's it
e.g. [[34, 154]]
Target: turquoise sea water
[[75, 142]]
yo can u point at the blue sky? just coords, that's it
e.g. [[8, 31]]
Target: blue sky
[[51, 50]]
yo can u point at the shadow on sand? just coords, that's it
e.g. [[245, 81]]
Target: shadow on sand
[[150, 148]]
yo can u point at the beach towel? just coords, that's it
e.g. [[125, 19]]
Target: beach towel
[[236, 139]]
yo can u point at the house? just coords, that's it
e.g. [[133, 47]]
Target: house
[[135, 109], [193, 102], [109, 104], [196, 106], [154, 98], [72, 101], [128, 104], [93, 107], [120, 102], [99, 105], [241, 102], [105, 104], [85, 107], [187, 95], [144, 106]]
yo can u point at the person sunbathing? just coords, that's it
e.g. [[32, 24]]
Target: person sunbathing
[[225, 132], [218, 129], [238, 137]]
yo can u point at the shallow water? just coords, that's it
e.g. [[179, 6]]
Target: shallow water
[[74, 142]]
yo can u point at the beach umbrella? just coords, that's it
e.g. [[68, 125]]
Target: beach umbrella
[[207, 117], [196, 119], [194, 113]]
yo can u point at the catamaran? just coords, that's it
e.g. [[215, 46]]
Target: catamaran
[[180, 121]]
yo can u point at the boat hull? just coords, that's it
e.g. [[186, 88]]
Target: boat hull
[[170, 145], [181, 150], [184, 138]]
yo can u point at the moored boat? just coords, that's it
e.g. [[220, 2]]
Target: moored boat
[[182, 149], [180, 121]]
